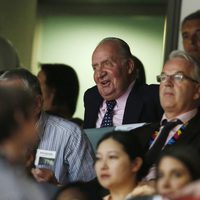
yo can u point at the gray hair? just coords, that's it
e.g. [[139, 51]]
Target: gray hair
[[195, 62], [30, 81], [123, 46]]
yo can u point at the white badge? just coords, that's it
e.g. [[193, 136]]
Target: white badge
[[45, 157]]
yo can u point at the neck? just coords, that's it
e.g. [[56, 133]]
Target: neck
[[119, 193], [60, 111], [10, 151], [172, 115]]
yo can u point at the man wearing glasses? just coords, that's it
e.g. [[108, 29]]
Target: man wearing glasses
[[190, 31], [180, 98]]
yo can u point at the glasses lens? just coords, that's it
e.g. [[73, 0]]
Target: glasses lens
[[158, 78], [178, 77], [163, 77]]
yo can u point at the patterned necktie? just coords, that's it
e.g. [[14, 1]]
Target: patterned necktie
[[155, 150], [108, 117]]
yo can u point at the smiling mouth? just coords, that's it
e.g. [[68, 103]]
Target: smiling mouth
[[105, 83], [168, 94]]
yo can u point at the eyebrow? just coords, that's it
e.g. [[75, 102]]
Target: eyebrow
[[111, 151], [174, 73]]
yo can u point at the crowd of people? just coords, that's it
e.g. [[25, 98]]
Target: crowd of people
[[45, 154]]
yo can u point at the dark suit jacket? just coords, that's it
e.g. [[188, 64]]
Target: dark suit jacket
[[143, 105], [190, 136]]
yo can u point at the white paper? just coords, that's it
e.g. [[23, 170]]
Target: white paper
[[128, 127], [45, 157]]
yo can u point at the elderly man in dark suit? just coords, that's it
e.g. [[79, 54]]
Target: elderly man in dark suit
[[117, 97], [180, 98]]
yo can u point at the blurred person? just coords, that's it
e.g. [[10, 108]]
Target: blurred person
[[119, 163], [146, 197], [60, 88], [177, 175], [118, 98], [8, 55], [76, 190], [189, 192], [177, 166], [141, 77], [71, 154], [179, 96], [17, 133], [190, 30]]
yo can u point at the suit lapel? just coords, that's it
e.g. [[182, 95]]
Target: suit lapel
[[191, 130], [95, 105], [93, 101], [133, 106], [145, 132]]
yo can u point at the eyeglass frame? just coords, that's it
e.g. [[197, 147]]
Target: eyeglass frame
[[181, 77]]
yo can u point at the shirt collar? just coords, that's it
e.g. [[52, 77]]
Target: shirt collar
[[41, 123], [185, 117], [121, 101]]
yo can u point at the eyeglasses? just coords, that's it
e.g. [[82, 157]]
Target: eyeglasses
[[177, 77]]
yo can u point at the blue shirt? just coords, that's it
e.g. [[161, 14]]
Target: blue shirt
[[74, 154]]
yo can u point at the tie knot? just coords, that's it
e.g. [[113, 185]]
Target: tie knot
[[110, 105], [165, 123]]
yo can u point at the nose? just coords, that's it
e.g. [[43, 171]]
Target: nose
[[100, 73], [166, 183], [103, 164], [193, 39], [168, 82]]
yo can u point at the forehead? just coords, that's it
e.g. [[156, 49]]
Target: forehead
[[13, 82], [171, 162], [71, 193], [109, 145], [178, 64], [108, 48], [191, 25]]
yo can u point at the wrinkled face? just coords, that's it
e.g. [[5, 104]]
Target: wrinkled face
[[47, 93], [178, 97], [113, 166], [191, 37], [172, 176], [112, 72]]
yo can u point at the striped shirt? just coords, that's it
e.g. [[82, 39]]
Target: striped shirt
[[74, 153]]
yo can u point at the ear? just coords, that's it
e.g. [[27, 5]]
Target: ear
[[137, 163], [38, 104], [197, 94], [131, 66]]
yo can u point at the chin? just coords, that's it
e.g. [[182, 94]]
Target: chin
[[107, 96]]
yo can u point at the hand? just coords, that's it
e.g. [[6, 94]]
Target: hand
[[44, 175], [142, 190]]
